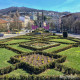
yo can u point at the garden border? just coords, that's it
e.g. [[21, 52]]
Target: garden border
[[33, 48]]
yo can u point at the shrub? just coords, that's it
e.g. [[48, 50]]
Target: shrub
[[62, 49], [65, 34], [35, 69], [14, 50], [9, 69], [33, 48], [54, 34]]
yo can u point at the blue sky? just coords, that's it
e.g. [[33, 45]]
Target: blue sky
[[55, 5]]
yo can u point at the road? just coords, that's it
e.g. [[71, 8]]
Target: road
[[23, 33], [71, 35], [12, 35]]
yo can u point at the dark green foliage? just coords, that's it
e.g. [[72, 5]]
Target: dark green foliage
[[65, 34], [54, 34], [9, 69], [13, 49], [34, 69], [62, 49], [33, 77], [33, 48]]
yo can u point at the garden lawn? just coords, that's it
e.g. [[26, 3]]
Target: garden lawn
[[41, 45], [73, 57], [3, 40], [63, 40], [20, 48], [53, 36], [76, 40], [55, 48], [23, 36], [18, 72], [51, 72], [5, 56], [16, 41]]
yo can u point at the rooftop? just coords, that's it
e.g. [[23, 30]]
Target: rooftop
[[2, 21]]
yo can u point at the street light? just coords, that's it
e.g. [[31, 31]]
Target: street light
[[65, 33]]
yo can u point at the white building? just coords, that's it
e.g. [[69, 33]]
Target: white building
[[26, 21], [34, 16]]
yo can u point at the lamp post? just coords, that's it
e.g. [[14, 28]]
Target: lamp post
[[65, 33]]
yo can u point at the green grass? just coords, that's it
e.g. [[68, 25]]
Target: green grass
[[3, 40], [53, 36], [41, 45], [73, 58], [24, 36], [56, 48], [18, 72], [51, 72], [5, 56], [20, 48], [76, 40], [63, 40], [16, 41]]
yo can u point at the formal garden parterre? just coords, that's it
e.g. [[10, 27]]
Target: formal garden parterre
[[39, 57]]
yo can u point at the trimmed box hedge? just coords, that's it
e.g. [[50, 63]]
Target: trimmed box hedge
[[33, 77], [28, 46], [66, 70], [62, 49], [34, 69], [14, 50], [9, 69]]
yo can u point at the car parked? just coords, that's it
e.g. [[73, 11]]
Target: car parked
[[1, 35]]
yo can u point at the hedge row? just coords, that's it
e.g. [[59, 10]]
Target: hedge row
[[76, 45], [41, 53], [14, 43], [62, 42], [33, 48], [14, 50], [33, 69], [72, 39], [7, 40], [33, 77], [22, 38], [66, 70], [9, 69], [2, 46], [62, 49], [39, 39]]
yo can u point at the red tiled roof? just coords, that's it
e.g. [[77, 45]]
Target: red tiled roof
[[14, 21], [2, 21]]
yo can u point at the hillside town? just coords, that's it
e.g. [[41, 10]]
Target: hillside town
[[12, 22], [40, 40]]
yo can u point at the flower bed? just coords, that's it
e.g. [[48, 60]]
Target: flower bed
[[36, 59], [37, 62], [39, 45]]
